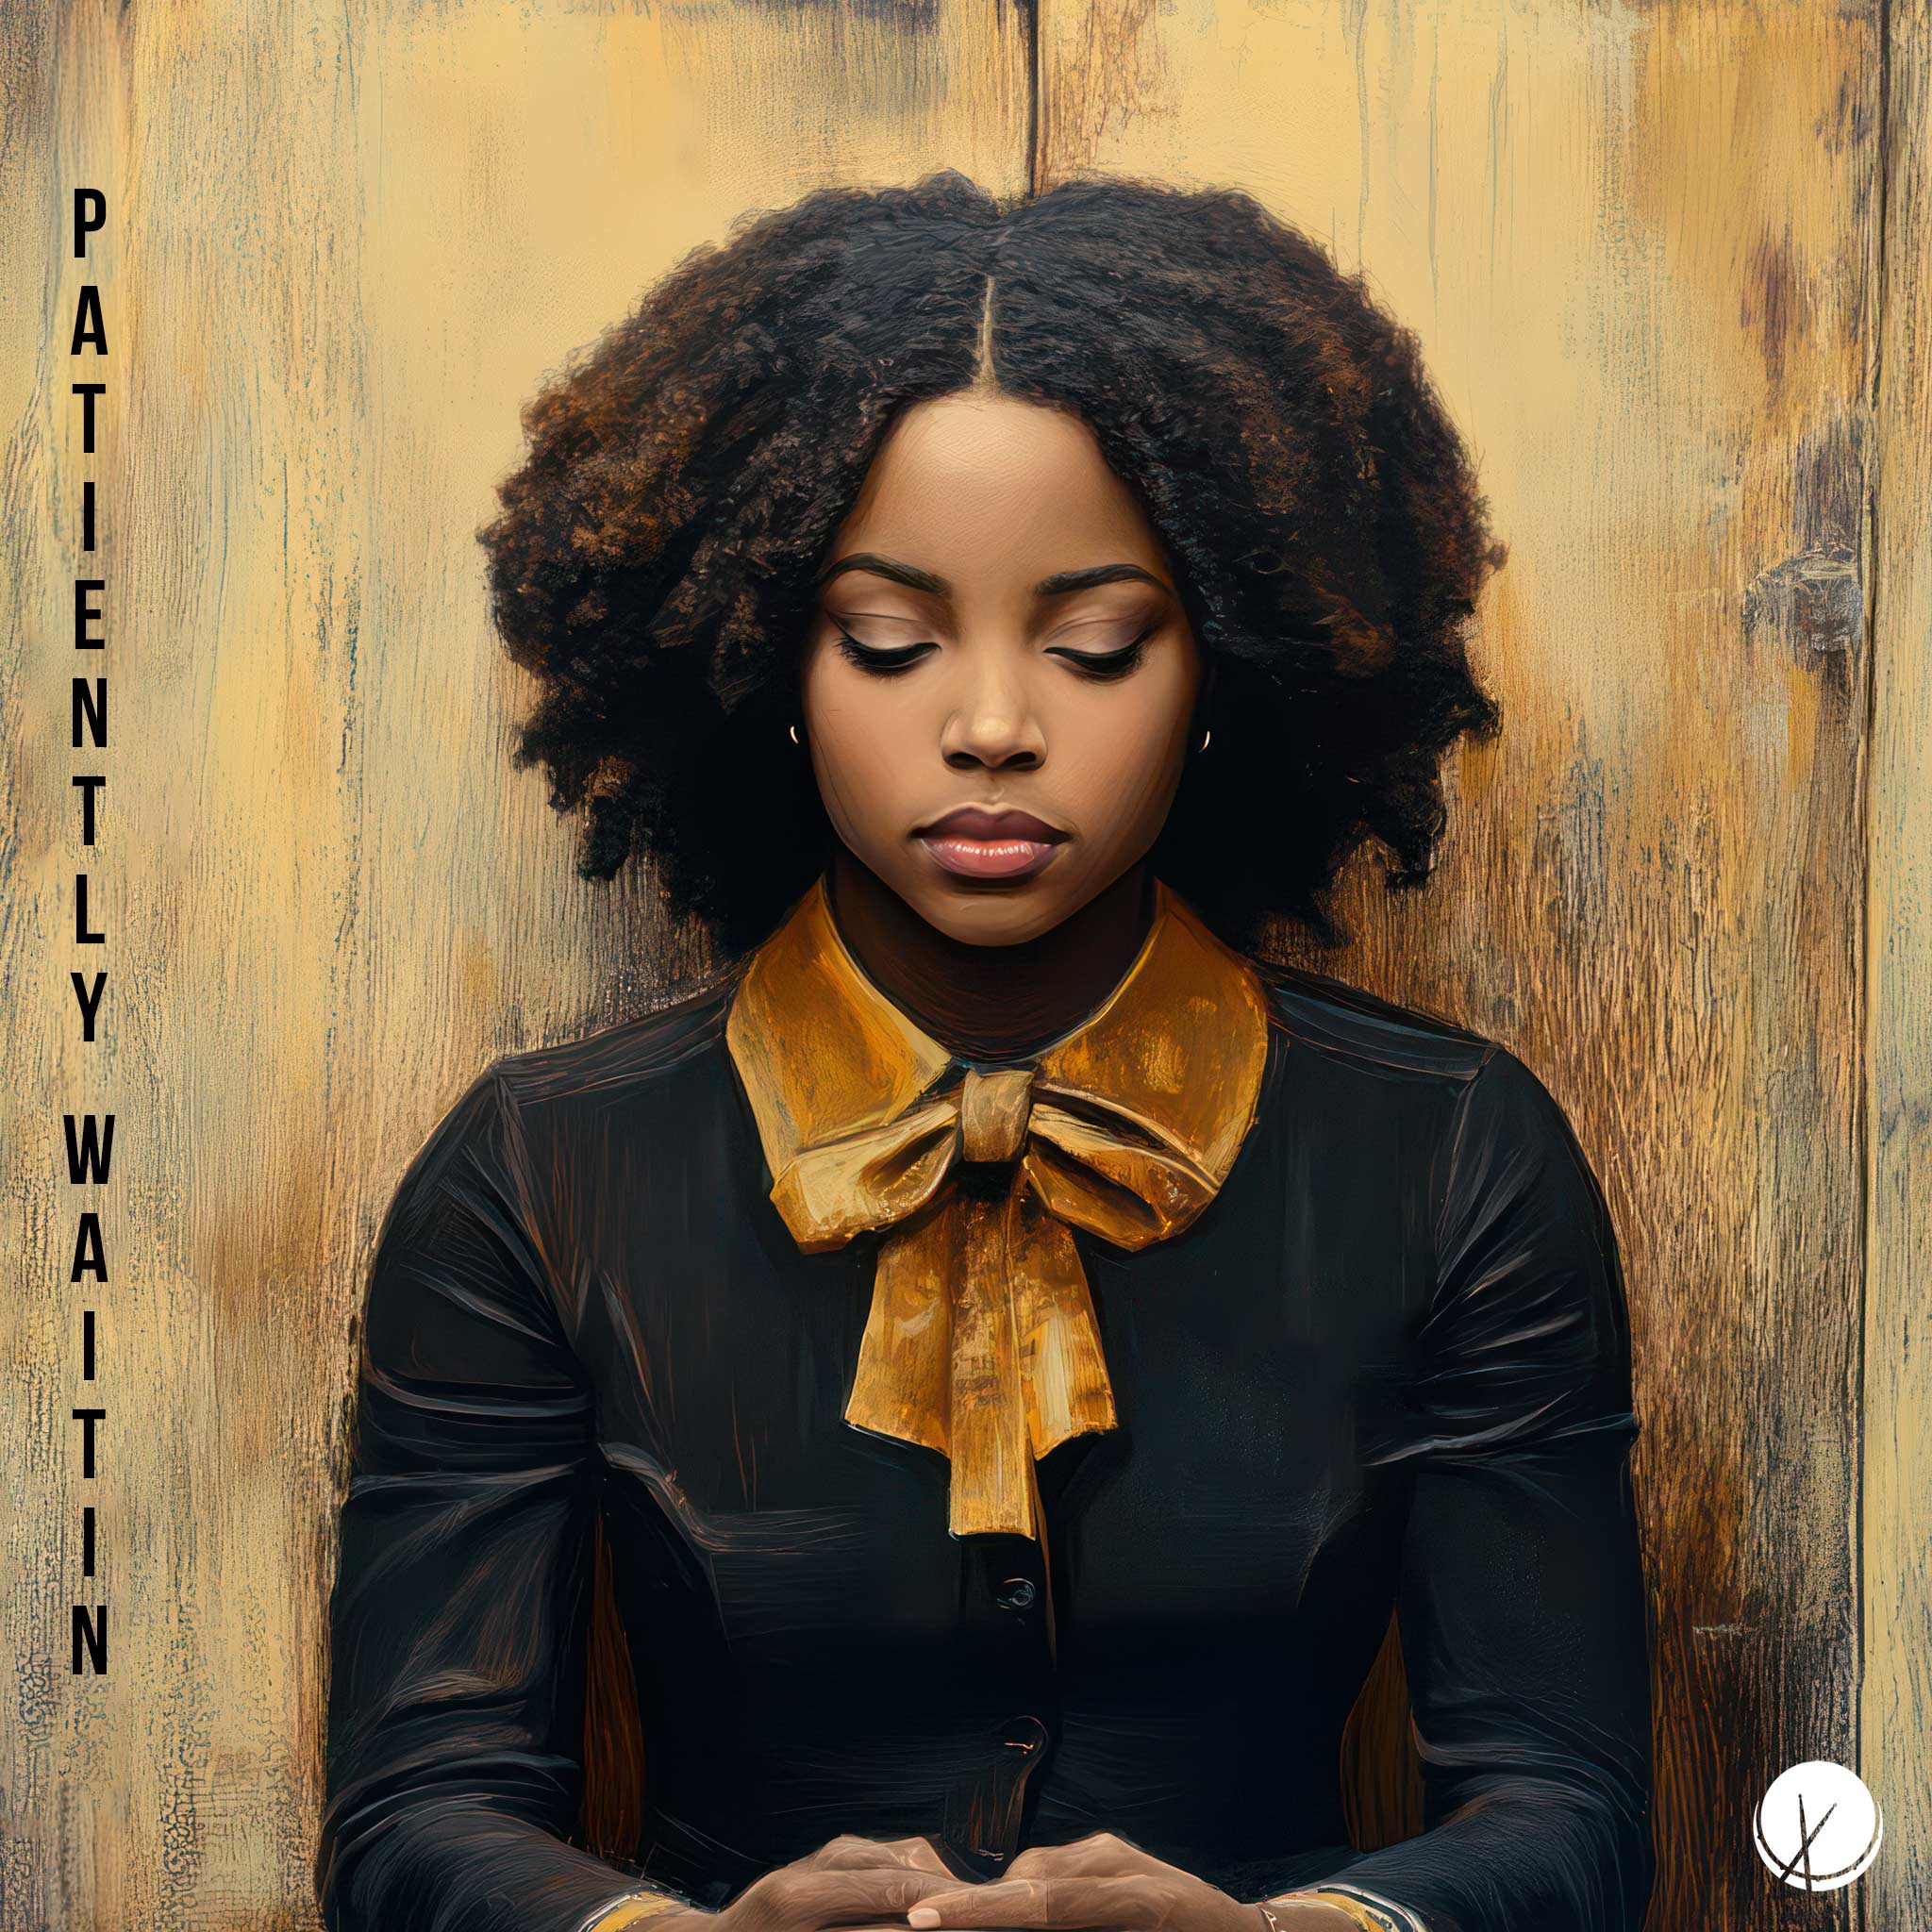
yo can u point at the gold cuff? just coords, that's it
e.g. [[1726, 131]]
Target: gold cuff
[[1367, 1917], [634, 1911]]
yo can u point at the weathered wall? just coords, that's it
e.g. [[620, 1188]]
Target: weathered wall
[[1643, 252]]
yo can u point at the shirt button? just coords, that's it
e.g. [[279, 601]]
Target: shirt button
[[1016, 1593]]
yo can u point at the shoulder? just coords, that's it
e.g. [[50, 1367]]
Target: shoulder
[[628, 1060], [1495, 1097], [481, 1141], [1490, 1096], [1352, 1030]]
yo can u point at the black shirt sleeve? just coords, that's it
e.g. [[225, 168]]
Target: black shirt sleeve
[[1521, 1602], [456, 1706]]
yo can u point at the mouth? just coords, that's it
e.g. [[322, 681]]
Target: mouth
[[977, 844]]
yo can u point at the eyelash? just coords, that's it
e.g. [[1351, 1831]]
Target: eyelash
[[1103, 667], [881, 663]]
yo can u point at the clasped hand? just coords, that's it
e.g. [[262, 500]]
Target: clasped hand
[[1098, 1884]]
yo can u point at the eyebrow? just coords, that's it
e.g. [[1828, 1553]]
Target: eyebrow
[[1061, 584]]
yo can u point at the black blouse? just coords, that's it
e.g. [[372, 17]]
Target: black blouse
[[1389, 1366]]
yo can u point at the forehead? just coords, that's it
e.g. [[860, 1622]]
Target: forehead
[[987, 490]]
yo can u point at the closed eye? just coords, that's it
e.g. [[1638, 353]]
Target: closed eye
[[1107, 664], [882, 662]]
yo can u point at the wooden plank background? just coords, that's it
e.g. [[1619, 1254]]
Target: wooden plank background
[[1668, 266], [1895, 1714], [1642, 253]]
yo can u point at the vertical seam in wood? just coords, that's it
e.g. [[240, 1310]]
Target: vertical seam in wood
[[1028, 11], [1863, 1097]]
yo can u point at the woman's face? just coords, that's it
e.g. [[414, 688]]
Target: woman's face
[[1000, 679]]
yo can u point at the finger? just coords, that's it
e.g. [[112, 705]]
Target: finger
[[1110, 1848], [1056, 1901], [846, 1850], [920, 1855], [857, 1897], [1054, 1861], [1039, 1861], [899, 1925], [1095, 1856], [852, 1853]]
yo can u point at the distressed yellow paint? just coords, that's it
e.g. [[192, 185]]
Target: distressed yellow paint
[[344, 244], [1639, 250], [347, 242], [1896, 1729]]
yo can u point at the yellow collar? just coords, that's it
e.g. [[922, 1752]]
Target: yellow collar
[[981, 1341]]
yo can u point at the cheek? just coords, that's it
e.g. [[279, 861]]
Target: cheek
[[858, 743], [1122, 760]]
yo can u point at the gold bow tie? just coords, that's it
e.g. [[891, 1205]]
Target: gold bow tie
[[981, 1340]]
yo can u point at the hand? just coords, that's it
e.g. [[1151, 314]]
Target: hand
[[850, 1882], [1105, 1884]]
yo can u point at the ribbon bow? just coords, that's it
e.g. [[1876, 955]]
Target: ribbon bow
[[981, 1341]]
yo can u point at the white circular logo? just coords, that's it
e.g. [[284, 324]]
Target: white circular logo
[[1818, 1826]]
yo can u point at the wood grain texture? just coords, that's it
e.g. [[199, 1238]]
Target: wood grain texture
[[1640, 250], [344, 243], [1895, 1731]]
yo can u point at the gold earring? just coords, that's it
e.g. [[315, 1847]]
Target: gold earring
[[1205, 737], [794, 735]]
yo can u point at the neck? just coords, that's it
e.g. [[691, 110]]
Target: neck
[[990, 1001]]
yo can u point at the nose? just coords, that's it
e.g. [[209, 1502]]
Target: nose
[[992, 723]]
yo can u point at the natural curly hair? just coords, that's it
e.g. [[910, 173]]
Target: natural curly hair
[[655, 559]]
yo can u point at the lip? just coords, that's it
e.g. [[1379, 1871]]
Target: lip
[[975, 843]]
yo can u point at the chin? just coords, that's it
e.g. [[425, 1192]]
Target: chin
[[1006, 918]]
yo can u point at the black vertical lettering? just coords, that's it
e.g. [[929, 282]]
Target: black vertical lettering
[[91, 710], [91, 1627], [86, 613], [82, 935], [90, 327], [87, 1418], [89, 1137], [90, 1003], [90, 1149], [87, 391], [88, 1258], [88, 784], [90, 217]]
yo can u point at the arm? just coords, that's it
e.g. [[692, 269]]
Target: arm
[[456, 1706], [1521, 1603]]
